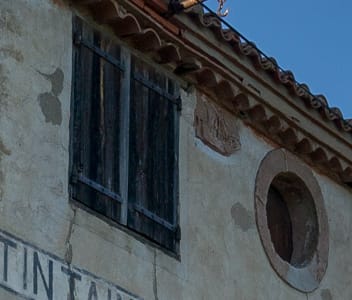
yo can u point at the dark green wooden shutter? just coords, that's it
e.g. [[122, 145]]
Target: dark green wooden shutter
[[153, 155], [96, 128]]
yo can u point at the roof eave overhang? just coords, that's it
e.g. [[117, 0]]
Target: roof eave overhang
[[232, 74]]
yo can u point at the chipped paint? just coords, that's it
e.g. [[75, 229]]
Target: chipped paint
[[49, 102], [56, 79], [51, 108], [242, 217]]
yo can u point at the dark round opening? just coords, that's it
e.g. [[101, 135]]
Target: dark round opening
[[292, 219], [280, 224]]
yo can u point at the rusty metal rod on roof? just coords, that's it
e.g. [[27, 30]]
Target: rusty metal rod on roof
[[176, 6], [179, 5], [219, 11], [227, 24], [189, 3]]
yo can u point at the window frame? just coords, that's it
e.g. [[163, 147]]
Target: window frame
[[123, 63], [309, 274]]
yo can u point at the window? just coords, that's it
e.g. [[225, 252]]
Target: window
[[124, 143], [279, 223], [291, 220]]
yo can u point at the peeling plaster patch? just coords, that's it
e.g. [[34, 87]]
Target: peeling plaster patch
[[326, 294], [56, 79], [242, 217], [50, 102], [51, 108], [10, 51]]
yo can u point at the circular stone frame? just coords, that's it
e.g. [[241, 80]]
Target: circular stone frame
[[304, 278]]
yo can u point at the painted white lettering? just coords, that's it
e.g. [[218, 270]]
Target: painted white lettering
[[31, 273], [7, 243], [73, 276], [47, 285], [25, 258], [93, 295]]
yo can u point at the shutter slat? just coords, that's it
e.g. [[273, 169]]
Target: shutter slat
[[96, 96], [152, 155]]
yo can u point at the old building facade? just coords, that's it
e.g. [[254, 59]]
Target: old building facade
[[149, 153]]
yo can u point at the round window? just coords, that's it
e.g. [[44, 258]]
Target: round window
[[291, 220]]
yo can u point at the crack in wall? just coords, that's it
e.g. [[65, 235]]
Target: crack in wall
[[155, 279], [72, 276], [68, 253]]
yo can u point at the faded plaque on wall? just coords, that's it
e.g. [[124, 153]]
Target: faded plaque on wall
[[215, 126]]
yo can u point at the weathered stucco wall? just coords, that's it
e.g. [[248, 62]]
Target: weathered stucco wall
[[221, 253], [35, 77]]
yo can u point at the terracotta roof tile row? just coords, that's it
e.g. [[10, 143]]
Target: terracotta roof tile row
[[143, 35], [259, 60]]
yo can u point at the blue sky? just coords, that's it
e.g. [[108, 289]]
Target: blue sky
[[312, 38]]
